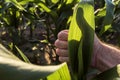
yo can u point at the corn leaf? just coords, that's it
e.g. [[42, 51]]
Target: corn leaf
[[55, 1], [71, 2], [111, 74], [64, 15], [12, 68], [100, 14], [22, 55], [48, 10], [14, 2], [74, 40], [85, 20], [24, 2], [61, 74], [109, 16], [5, 53], [81, 36]]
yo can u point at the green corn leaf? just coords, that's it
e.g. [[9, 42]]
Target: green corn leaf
[[61, 74], [109, 16], [7, 19], [22, 55], [12, 68], [81, 36], [24, 2], [60, 5], [64, 15], [5, 53], [4, 7], [55, 1], [47, 2], [69, 2], [69, 20], [74, 40], [16, 4], [17, 70], [100, 14], [48, 10], [111, 74], [85, 20]]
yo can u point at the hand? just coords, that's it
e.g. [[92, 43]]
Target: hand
[[62, 46]]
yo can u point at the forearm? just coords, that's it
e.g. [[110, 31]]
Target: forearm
[[106, 57]]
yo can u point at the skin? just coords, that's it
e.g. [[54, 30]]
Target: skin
[[104, 55], [62, 46]]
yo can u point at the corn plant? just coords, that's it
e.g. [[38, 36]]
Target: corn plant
[[37, 10], [18, 15], [107, 21], [13, 13], [12, 68], [81, 36]]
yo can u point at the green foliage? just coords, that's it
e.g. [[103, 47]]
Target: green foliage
[[12, 68], [22, 55], [111, 74], [109, 13], [16, 15], [107, 33], [81, 37]]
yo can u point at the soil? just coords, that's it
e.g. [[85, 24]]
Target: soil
[[37, 51]]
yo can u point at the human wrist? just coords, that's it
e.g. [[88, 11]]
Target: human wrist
[[107, 57], [104, 56], [96, 49]]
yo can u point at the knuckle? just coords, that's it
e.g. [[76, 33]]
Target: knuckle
[[56, 43], [63, 35], [61, 59], [58, 52], [61, 44], [60, 34]]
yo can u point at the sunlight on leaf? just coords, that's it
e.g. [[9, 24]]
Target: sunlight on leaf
[[12, 68], [16, 4], [108, 17], [81, 36]]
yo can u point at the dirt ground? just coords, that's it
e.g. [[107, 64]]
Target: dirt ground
[[37, 51]]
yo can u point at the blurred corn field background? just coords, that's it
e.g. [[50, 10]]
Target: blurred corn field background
[[33, 25], [30, 27]]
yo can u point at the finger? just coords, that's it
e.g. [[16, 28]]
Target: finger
[[61, 44], [64, 59], [63, 35], [62, 52]]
